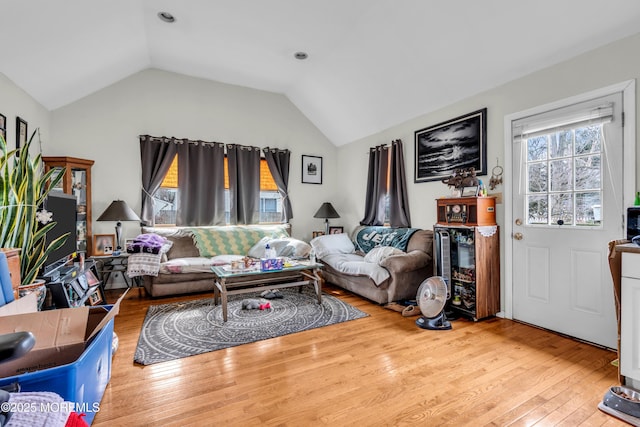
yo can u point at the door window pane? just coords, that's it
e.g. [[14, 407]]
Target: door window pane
[[561, 175], [537, 148], [566, 187], [538, 210], [538, 177], [561, 144]]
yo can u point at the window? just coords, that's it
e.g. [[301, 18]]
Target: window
[[166, 198], [564, 177]]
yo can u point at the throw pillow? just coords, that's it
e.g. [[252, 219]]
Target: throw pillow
[[285, 247], [377, 255], [332, 244]]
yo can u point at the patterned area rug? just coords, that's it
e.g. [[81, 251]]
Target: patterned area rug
[[177, 330]]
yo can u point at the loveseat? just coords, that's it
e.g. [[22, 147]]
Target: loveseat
[[186, 266], [382, 264]]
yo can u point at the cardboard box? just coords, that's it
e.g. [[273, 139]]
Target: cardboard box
[[61, 335]]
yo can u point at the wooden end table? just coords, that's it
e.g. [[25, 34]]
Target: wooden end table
[[234, 282]]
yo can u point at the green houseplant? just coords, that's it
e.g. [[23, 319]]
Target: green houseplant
[[23, 221]]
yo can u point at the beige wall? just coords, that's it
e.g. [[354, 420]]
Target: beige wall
[[608, 65], [105, 127], [14, 102]]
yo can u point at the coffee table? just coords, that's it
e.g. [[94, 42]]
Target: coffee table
[[234, 282]]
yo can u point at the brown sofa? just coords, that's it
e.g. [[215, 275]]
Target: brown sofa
[[406, 270], [185, 269]]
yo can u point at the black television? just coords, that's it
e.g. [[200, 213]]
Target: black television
[[63, 207]]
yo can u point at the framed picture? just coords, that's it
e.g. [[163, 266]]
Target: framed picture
[[21, 132], [103, 244], [95, 297], [317, 233], [470, 191], [3, 127], [459, 143], [91, 277], [336, 230], [311, 169], [128, 242]]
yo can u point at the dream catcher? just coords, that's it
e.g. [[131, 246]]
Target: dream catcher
[[496, 177]]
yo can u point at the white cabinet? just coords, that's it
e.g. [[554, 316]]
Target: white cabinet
[[630, 319]]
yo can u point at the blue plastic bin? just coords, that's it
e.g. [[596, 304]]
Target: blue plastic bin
[[82, 381]]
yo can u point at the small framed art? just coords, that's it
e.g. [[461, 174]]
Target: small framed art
[[21, 132], [317, 233], [3, 127], [96, 297], [336, 230], [311, 169], [103, 244], [470, 191]]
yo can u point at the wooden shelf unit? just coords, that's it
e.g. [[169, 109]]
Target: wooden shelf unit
[[77, 181]]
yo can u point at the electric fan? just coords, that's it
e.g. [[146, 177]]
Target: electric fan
[[431, 298]]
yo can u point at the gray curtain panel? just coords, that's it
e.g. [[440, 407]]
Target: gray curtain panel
[[156, 155], [244, 183], [376, 186], [278, 162], [399, 215], [201, 178]]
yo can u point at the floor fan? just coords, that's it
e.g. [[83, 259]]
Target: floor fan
[[432, 298]]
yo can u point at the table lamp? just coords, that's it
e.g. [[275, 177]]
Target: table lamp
[[118, 211], [326, 211]]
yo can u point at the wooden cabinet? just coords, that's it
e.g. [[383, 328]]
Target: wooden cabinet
[[630, 318], [77, 181], [469, 260]]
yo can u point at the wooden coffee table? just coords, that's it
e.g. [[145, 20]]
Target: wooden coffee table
[[234, 282]]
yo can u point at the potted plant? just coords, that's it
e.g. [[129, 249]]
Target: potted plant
[[23, 222]]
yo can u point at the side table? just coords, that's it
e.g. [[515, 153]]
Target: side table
[[109, 264]]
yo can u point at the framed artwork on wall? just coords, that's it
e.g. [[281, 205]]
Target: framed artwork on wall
[[459, 143], [21, 132], [3, 127], [311, 169]]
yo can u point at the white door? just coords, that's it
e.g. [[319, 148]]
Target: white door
[[567, 206]]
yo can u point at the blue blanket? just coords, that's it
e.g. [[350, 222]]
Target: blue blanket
[[372, 237]]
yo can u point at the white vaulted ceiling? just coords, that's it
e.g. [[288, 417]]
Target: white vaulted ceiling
[[372, 63]]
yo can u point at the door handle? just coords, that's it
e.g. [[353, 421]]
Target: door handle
[[518, 236], [518, 221]]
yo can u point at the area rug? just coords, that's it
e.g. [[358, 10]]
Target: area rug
[[177, 330]]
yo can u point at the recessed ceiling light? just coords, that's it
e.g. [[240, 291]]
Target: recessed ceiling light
[[300, 55], [166, 17]]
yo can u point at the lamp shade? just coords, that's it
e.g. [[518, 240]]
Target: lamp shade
[[118, 210], [326, 211]]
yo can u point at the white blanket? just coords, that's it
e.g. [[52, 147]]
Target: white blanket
[[355, 265]]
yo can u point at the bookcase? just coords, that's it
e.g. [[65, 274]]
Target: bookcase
[[76, 181]]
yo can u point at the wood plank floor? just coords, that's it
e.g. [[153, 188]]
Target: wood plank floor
[[380, 370]]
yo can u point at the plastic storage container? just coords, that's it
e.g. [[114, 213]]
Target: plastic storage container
[[82, 381]]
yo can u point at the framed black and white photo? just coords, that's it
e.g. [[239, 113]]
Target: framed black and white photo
[[3, 127], [460, 143], [21, 132], [311, 169]]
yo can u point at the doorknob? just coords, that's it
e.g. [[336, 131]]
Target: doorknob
[[518, 236], [518, 221]]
